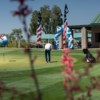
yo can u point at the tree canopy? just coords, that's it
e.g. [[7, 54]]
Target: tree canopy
[[50, 19]]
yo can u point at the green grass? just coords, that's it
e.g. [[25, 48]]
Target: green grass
[[15, 72]]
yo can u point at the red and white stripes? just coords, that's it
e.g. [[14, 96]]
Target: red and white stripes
[[39, 33], [64, 33]]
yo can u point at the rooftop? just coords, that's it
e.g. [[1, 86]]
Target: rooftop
[[96, 20], [44, 36], [51, 36]]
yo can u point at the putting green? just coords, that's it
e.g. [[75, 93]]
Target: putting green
[[15, 72]]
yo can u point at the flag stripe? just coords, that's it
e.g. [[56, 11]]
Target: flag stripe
[[39, 30], [64, 33]]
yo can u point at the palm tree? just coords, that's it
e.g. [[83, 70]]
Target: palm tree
[[17, 35]]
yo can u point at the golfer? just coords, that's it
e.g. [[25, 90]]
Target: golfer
[[48, 48]]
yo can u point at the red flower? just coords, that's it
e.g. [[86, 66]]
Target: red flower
[[66, 50], [68, 62]]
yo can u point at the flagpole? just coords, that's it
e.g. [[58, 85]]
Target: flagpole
[[39, 30], [65, 23]]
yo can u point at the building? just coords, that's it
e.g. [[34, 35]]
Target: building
[[45, 38], [85, 32], [93, 28]]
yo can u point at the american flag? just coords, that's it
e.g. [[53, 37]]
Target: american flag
[[65, 26], [64, 34], [39, 29]]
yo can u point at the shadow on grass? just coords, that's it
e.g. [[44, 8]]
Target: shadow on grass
[[53, 61]]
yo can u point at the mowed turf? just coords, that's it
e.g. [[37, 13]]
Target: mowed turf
[[15, 72]]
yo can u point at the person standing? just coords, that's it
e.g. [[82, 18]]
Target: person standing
[[48, 48]]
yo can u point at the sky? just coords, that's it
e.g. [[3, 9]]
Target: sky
[[80, 12]]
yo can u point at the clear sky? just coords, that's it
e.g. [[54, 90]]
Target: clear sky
[[80, 12]]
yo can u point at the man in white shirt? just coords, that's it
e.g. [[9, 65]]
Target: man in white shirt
[[48, 48]]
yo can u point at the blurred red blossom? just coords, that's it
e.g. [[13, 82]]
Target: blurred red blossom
[[21, 1], [66, 51], [73, 78], [67, 61], [23, 9], [22, 12]]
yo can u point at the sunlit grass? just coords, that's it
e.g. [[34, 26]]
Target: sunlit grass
[[15, 72]]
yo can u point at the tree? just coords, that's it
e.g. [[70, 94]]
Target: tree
[[56, 16], [16, 35], [33, 24], [45, 13], [50, 19]]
